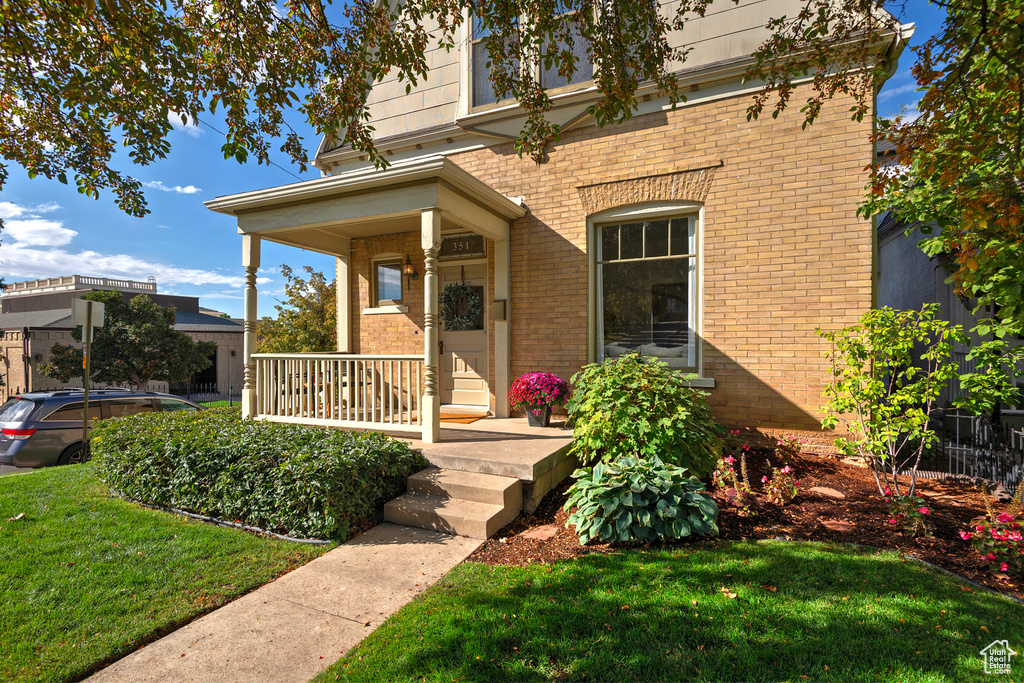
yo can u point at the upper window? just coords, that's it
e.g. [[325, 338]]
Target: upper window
[[647, 289], [549, 78], [387, 283]]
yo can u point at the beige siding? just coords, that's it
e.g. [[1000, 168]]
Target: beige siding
[[432, 102], [727, 31]]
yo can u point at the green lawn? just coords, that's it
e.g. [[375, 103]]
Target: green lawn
[[801, 611], [86, 578]]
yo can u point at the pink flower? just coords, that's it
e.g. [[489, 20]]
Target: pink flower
[[1003, 567], [764, 479], [730, 469], [786, 469], [1005, 518], [892, 521], [966, 535], [796, 483], [924, 511], [887, 491], [729, 458], [991, 556], [979, 528], [1015, 536]]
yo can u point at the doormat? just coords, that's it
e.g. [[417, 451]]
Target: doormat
[[461, 418]]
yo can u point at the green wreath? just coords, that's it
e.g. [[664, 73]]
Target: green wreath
[[460, 306]]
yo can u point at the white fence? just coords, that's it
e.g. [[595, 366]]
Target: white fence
[[344, 390]]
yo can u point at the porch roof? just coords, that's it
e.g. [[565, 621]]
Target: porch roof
[[318, 214]]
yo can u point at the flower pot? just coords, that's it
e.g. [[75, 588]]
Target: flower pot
[[538, 416]]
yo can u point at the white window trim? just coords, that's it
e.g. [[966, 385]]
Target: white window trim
[[465, 105], [646, 211], [388, 305]]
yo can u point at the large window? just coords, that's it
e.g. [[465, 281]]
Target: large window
[[549, 78], [647, 289]]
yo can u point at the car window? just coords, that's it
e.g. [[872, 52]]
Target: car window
[[73, 411], [169, 404], [123, 407], [16, 410]]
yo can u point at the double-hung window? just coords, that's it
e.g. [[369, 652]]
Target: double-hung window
[[647, 289], [549, 78]]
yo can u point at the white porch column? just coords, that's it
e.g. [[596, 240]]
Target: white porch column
[[251, 262], [502, 354], [430, 240], [343, 294]]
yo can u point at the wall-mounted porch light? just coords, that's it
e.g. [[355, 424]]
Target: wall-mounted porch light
[[409, 271]]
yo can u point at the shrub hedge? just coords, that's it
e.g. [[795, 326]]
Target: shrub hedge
[[639, 407], [308, 482]]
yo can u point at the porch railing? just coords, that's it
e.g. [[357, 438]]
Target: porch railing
[[345, 390]]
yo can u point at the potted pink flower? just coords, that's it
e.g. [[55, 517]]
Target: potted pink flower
[[537, 393]]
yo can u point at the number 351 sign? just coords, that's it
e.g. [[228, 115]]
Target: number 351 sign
[[461, 246]]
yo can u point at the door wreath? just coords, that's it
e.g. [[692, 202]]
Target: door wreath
[[460, 306]]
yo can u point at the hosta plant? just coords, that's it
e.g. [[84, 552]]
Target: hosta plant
[[634, 499]]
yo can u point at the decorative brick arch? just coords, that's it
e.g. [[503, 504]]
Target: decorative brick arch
[[691, 185]]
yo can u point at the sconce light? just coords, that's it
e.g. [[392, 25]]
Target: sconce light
[[409, 271]]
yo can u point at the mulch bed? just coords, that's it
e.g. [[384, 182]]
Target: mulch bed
[[859, 516]]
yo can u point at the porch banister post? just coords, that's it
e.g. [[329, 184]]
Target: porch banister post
[[430, 238], [251, 262]]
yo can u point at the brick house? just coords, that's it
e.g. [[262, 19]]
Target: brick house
[[716, 243]]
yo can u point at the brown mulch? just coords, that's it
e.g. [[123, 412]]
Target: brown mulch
[[860, 517]]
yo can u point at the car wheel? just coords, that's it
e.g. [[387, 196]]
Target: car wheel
[[73, 455]]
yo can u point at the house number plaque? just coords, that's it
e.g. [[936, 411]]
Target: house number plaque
[[461, 246]]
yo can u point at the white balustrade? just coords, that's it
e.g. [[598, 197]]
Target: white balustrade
[[343, 390]]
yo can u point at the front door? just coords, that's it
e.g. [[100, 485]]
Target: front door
[[464, 350]]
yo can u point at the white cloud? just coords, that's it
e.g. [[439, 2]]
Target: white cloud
[[23, 261], [888, 93], [190, 129], [38, 232], [11, 210], [158, 185]]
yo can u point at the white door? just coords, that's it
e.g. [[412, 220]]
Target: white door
[[464, 352]]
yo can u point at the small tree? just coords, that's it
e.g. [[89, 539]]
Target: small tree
[[885, 400], [306, 320], [137, 344]]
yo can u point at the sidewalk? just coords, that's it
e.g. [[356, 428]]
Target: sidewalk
[[298, 625]]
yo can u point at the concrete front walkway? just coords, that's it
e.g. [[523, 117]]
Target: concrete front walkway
[[300, 624]]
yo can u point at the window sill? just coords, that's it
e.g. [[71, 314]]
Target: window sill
[[702, 382], [384, 310]]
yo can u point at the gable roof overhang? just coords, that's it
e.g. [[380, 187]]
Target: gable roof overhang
[[322, 214]]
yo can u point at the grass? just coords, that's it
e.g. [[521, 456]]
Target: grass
[[86, 578], [719, 611], [219, 404]]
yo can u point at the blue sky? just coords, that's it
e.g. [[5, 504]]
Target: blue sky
[[51, 230]]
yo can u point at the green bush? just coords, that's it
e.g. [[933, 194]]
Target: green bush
[[304, 481], [637, 406], [639, 500]]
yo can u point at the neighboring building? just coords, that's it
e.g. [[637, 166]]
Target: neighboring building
[[908, 279], [35, 315], [696, 235]]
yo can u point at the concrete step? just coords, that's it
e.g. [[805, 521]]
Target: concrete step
[[469, 486], [450, 515]]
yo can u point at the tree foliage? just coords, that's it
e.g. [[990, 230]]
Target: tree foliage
[[960, 163], [80, 79], [306, 320], [887, 400], [136, 344]]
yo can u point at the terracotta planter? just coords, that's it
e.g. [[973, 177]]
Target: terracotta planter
[[540, 418]]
